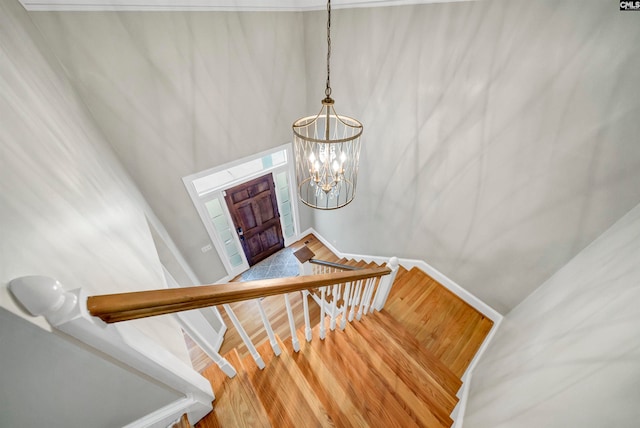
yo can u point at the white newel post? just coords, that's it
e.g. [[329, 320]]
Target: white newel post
[[385, 284], [67, 311]]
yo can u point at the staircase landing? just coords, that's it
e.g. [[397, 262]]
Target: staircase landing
[[440, 321]]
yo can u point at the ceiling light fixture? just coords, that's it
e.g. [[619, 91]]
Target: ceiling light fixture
[[327, 150]]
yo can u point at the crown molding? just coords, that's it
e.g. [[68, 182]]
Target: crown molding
[[211, 5]]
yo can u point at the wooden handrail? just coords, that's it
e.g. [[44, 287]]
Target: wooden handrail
[[141, 304], [332, 264]]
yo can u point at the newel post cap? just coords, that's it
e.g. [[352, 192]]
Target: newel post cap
[[42, 295], [394, 263]]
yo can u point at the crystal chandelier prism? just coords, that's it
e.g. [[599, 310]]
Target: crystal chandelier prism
[[327, 151]]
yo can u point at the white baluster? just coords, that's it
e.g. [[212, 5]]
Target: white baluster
[[363, 297], [245, 337], [323, 291], [334, 302], [368, 300], [355, 299], [307, 321], [292, 324], [345, 305], [187, 320], [267, 327]]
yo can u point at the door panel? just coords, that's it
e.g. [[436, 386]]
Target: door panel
[[270, 237], [240, 195], [254, 211], [246, 216], [267, 210]]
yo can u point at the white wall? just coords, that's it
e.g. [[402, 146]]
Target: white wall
[[67, 208], [569, 355], [500, 136], [48, 380], [177, 93]]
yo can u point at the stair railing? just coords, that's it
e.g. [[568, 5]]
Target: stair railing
[[118, 307], [353, 293], [128, 306], [66, 311], [351, 299]]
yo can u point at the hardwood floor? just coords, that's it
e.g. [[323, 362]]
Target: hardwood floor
[[398, 367], [346, 380], [236, 403], [439, 320]]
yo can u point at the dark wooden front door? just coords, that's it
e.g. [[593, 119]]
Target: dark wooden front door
[[254, 210]]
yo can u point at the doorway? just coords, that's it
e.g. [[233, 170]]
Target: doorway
[[207, 191], [254, 211]]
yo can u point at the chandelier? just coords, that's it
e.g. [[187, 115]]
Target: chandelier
[[327, 150]]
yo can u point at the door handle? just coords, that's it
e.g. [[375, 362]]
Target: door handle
[[240, 233]]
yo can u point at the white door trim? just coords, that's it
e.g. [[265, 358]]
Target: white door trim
[[199, 201]]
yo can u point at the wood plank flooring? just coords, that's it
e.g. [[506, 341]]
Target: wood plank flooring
[[236, 404], [437, 318], [346, 380], [397, 367], [420, 311]]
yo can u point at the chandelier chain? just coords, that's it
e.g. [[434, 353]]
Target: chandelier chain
[[327, 91]]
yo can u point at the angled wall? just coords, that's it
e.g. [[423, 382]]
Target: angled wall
[[569, 355], [67, 207], [176, 93]]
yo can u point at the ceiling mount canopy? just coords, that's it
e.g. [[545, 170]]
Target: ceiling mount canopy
[[327, 150]]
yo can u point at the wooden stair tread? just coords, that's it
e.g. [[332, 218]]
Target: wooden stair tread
[[416, 375], [285, 393], [382, 322], [236, 402], [441, 322], [327, 387], [427, 407], [375, 400]]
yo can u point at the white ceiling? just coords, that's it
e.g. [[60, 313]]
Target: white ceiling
[[210, 5]]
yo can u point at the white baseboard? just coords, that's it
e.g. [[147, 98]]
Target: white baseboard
[[456, 289], [165, 416], [326, 243], [451, 285]]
